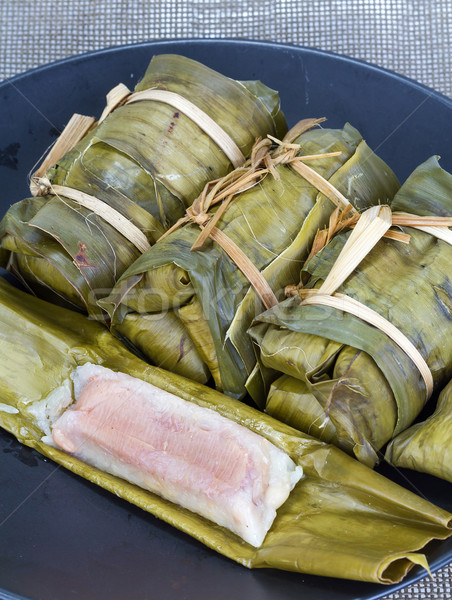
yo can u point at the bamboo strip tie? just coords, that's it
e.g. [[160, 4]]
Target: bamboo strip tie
[[76, 129], [436, 226], [125, 227], [121, 95], [350, 305], [79, 125], [198, 116], [370, 228]]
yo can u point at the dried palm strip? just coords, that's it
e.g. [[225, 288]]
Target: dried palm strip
[[370, 228], [122, 95], [198, 116], [107, 212], [350, 305], [77, 127], [115, 98]]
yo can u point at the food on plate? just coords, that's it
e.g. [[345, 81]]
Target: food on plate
[[359, 387], [187, 304], [58, 368], [427, 446], [131, 176], [185, 453]]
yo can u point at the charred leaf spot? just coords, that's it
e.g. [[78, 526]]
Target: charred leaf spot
[[81, 260], [181, 349], [8, 156], [172, 125]]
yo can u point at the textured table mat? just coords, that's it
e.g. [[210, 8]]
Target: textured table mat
[[411, 37]]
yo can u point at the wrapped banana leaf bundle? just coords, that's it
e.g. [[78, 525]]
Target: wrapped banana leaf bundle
[[427, 446], [131, 176], [70, 390], [187, 306], [360, 354]]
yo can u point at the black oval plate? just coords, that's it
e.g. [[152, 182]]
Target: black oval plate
[[62, 537]]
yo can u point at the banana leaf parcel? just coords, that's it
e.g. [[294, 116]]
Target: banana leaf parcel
[[42, 345], [345, 379], [142, 165], [427, 446], [189, 311]]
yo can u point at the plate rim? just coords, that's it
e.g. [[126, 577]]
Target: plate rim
[[231, 42], [167, 43]]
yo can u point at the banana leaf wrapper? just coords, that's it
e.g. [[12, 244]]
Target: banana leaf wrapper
[[40, 345], [427, 446], [368, 388], [274, 223], [146, 160]]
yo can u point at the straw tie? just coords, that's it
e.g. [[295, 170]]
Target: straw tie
[[121, 95], [370, 227], [79, 125], [224, 190]]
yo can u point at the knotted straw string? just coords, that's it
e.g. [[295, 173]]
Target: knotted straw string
[[223, 190], [261, 162], [369, 229]]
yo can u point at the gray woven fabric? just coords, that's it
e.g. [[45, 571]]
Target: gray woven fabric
[[411, 37]]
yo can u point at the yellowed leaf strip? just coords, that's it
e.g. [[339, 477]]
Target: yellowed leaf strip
[[198, 116], [320, 184], [436, 226], [77, 127], [370, 228], [247, 267], [115, 98], [109, 214], [442, 233], [353, 307]]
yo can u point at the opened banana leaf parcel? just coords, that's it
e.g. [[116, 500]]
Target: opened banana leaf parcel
[[72, 391]]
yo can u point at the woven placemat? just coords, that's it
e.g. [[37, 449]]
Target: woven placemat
[[411, 37]]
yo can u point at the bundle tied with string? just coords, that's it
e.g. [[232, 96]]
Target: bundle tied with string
[[236, 248], [109, 189], [363, 342]]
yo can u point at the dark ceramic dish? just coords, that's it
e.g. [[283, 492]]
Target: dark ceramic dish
[[62, 537]]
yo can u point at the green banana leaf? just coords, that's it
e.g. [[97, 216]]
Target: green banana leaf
[[368, 388], [166, 342], [274, 223], [290, 400], [41, 345], [427, 446], [146, 160]]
